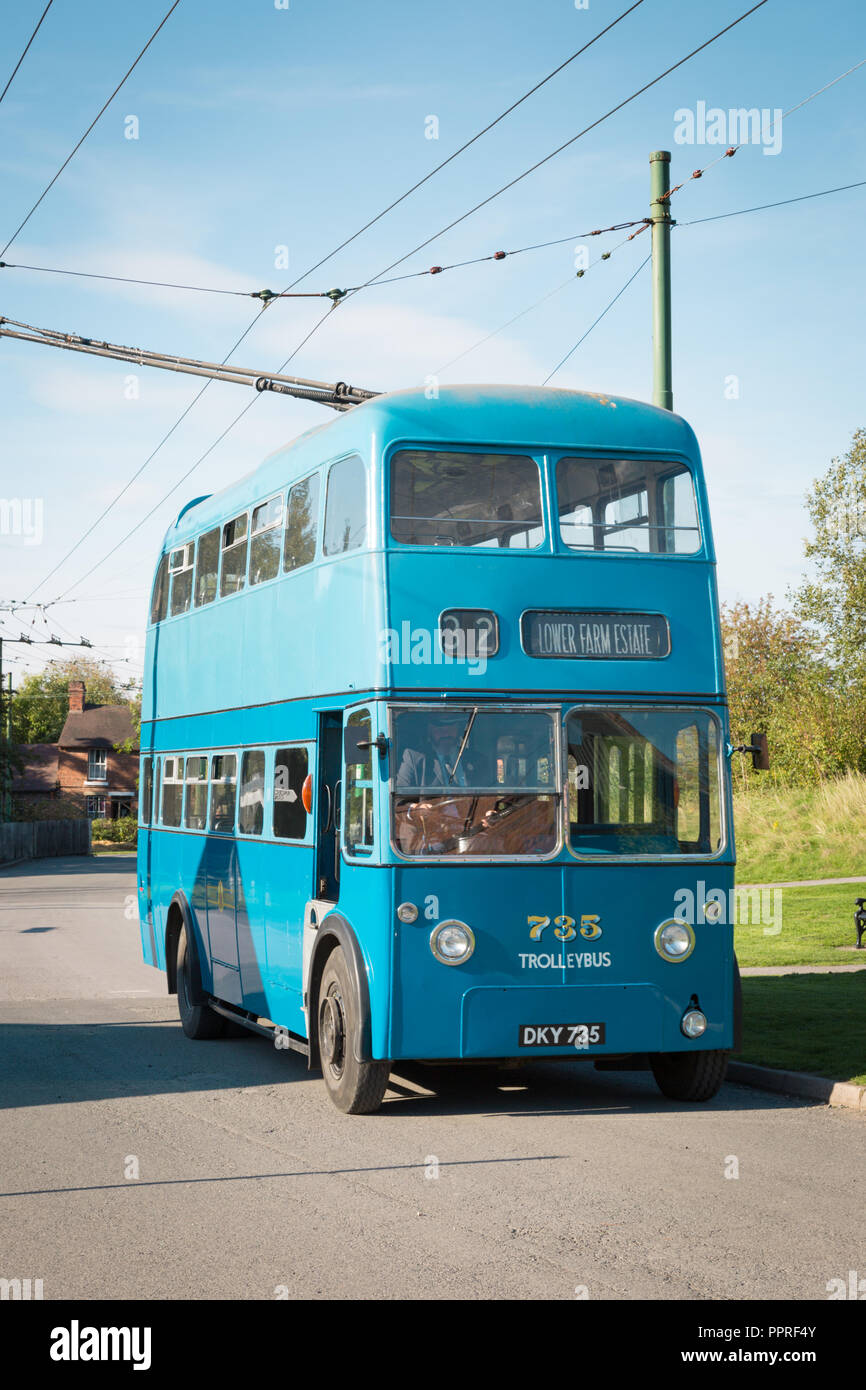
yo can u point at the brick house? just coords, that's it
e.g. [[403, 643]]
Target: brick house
[[90, 772]]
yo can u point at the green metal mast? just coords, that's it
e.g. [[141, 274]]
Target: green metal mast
[[660, 182]]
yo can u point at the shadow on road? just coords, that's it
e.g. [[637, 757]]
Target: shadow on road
[[69, 1063]]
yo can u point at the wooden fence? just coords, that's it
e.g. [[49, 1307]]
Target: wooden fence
[[43, 839]]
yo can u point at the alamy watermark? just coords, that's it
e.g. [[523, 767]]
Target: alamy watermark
[[23, 516], [746, 906], [738, 126], [419, 646]]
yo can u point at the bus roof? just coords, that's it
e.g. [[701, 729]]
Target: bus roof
[[499, 416]]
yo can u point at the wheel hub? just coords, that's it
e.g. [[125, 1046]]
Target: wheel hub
[[332, 1032]]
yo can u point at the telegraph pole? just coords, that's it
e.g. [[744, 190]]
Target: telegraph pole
[[660, 212]]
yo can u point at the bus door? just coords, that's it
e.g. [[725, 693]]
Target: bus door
[[327, 826], [221, 869]]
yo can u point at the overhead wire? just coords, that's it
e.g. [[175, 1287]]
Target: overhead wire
[[101, 111], [707, 42], [26, 49]]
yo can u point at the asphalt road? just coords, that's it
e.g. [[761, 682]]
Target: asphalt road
[[251, 1185]]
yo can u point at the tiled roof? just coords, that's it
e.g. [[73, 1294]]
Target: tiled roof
[[101, 726], [38, 770]]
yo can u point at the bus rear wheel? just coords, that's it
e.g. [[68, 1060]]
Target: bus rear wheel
[[197, 1019], [693, 1076], [355, 1087]]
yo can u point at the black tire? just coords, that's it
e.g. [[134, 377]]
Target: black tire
[[197, 1019], [693, 1076], [355, 1087]]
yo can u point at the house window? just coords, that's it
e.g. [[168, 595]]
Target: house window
[[96, 807], [96, 765]]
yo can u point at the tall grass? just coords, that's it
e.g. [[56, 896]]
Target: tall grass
[[801, 832]]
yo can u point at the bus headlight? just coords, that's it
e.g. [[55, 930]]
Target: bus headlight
[[452, 942], [674, 940], [694, 1023]]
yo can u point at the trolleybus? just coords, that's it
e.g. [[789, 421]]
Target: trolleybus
[[435, 759]]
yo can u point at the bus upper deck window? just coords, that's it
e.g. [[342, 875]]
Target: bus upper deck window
[[302, 524], [632, 505], [234, 556], [444, 498], [159, 601], [180, 564], [291, 766], [223, 786], [346, 506], [207, 567], [265, 542]]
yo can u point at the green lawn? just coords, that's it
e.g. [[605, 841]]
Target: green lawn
[[813, 1023], [815, 923], [801, 832]]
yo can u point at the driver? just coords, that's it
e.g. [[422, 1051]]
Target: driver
[[431, 826]]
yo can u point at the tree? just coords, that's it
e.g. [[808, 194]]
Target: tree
[[780, 683], [835, 599], [41, 704]]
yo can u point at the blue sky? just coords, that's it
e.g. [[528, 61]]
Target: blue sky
[[262, 127]]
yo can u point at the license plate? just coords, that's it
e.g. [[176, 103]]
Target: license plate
[[561, 1034]]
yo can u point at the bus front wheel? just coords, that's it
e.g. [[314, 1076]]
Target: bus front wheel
[[355, 1087], [197, 1019], [689, 1075]]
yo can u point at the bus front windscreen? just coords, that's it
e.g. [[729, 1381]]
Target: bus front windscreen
[[475, 782], [644, 782]]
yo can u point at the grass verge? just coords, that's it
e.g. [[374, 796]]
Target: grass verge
[[816, 923], [813, 1023]]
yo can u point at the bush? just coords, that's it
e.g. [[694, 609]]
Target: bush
[[123, 831]]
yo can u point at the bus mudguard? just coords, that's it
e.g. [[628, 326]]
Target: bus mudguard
[[179, 914], [334, 929]]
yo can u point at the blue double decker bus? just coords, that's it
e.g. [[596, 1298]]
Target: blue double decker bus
[[435, 749]]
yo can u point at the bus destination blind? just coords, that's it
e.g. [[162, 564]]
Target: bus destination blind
[[587, 633]]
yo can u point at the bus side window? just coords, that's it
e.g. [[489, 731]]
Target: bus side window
[[251, 813], [207, 566], [180, 565], [172, 791], [223, 770], [302, 524], [146, 792], [290, 772], [156, 802], [359, 791], [346, 506], [195, 816], [265, 543], [233, 570], [159, 601]]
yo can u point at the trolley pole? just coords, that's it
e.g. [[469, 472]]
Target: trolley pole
[[660, 182]]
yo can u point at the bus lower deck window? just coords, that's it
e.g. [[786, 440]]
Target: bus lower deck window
[[251, 802], [644, 782], [291, 766], [172, 791], [223, 788], [195, 815]]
